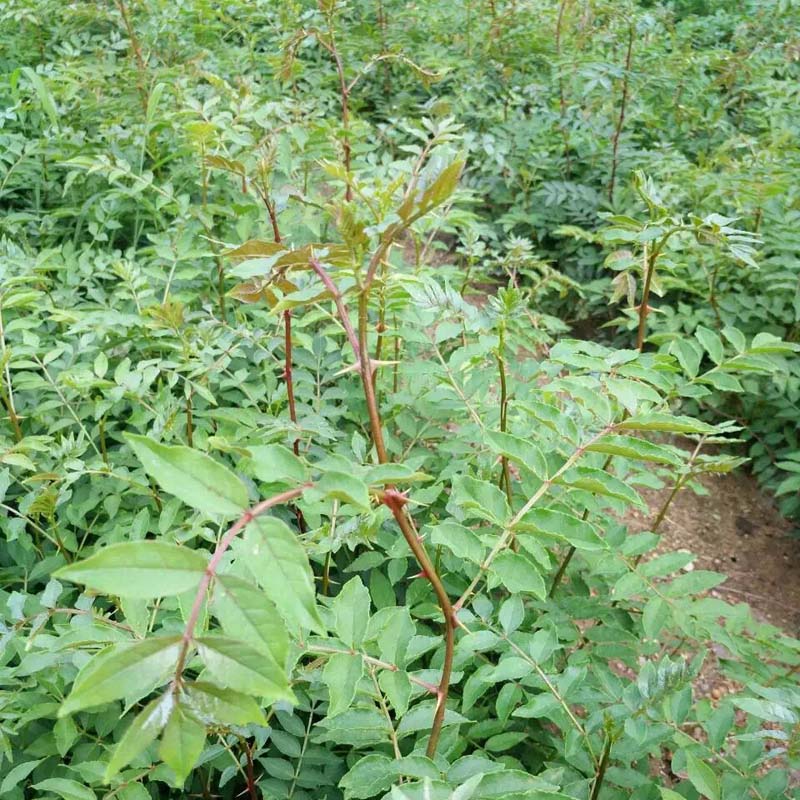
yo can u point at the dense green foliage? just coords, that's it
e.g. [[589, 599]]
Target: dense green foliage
[[295, 504]]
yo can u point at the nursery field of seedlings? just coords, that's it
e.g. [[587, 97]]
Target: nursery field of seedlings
[[355, 357]]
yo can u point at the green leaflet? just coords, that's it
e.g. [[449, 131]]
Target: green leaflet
[[348, 489], [248, 615], [274, 463], [351, 609], [598, 481], [461, 541], [278, 562], [383, 474], [142, 731], [197, 479], [121, 670], [66, 788], [518, 574], [398, 689], [702, 777], [139, 569], [43, 93], [238, 666], [669, 423], [213, 705], [638, 449], [479, 499], [568, 528], [17, 775], [368, 777], [181, 743], [521, 451], [342, 674]]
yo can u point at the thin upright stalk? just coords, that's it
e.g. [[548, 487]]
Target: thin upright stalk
[[601, 769], [680, 482], [340, 308], [273, 218], [203, 177], [287, 319], [644, 308], [344, 101], [383, 24], [562, 568], [505, 475], [7, 390], [712, 294], [366, 367], [396, 365], [621, 119], [562, 102], [509, 534], [381, 327], [251, 777], [287, 373], [141, 68], [393, 499], [221, 286]]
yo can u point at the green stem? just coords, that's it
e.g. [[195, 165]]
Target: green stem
[[571, 552], [7, 390], [621, 119], [505, 477], [601, 769]]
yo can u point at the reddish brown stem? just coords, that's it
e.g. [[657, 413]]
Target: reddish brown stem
[[621, 119], [141, 68], [392, 498], [396, 368], [679, 484], [367, 381], [189, 419], [644, 308], [342, 311], [251, 777], [361, 351], [211, 570], [221, 287], [287, 340], [273, 218], [287, 375], [344, 99], [287, 372], [395, 502]]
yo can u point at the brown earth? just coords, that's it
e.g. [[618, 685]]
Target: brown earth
[[736, 530]]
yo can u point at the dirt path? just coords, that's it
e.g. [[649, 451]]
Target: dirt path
[[735, 530]]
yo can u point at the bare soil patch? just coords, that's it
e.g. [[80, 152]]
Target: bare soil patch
[[736, 530]]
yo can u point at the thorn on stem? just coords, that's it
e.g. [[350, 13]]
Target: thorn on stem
[[394, 499], [420, 574]]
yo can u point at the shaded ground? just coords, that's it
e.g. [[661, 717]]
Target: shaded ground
[[736, 530]]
